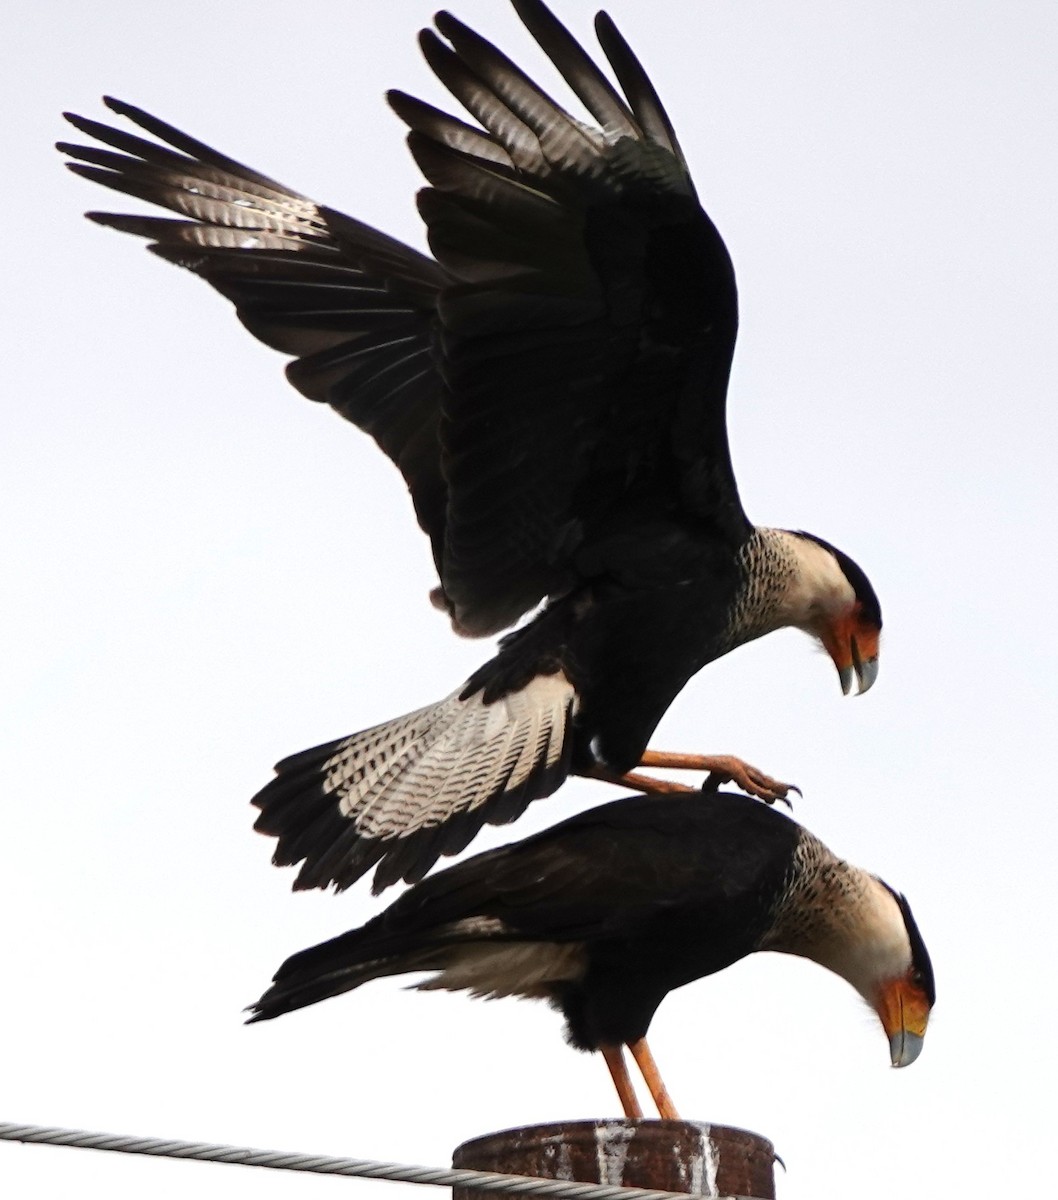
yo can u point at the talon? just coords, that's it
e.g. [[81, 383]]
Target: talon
[[755, 783], [771, 791]]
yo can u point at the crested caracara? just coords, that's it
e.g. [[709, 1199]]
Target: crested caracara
[[552, 386], [606, 913]]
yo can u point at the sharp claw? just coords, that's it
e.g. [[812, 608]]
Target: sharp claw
[[769, 790], [726, 769]]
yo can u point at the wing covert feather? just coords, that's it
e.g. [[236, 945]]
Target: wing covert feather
[[555, 372]]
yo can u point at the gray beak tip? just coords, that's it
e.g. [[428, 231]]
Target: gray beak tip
[[904, 1048], [866, 674]]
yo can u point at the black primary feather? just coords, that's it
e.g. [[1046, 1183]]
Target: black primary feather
[[551, 385], [565, 358]]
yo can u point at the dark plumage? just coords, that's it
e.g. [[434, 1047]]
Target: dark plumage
[[606, 913], [552, 386]]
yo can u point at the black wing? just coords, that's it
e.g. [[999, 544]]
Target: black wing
[[650, 877], [558, 374], [588, 345], [609, 870], [354, 306]]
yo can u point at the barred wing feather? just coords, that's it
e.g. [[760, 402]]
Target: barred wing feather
[[405, 792]]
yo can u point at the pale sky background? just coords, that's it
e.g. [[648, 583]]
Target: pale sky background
[[205, 572]]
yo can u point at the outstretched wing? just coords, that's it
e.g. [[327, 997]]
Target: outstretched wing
[[355, 307], [588, 343], [558, 374]]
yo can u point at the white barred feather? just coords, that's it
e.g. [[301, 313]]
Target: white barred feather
[[418, 771], [526, 969]]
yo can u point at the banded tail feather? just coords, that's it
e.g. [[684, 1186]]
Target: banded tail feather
[[407, 792]]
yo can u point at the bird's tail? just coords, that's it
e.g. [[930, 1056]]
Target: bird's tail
[[443, 925], [404, 793], [334, 967]]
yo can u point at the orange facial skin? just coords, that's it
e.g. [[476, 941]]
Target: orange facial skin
[[903, 1008], [852, 643]]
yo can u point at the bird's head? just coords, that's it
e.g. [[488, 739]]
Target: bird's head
[[872, 941], [903, 996], [835, 603], [857, 926]]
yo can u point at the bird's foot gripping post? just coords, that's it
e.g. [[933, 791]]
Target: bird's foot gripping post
[[721, 768], [672, 1156]]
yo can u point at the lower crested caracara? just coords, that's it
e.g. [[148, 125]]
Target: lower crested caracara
[[552, 385], [604, 914]]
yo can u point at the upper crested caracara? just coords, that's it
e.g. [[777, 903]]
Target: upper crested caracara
[[606, 913], [552, 387]]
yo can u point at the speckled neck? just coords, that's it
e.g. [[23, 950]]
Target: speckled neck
[[768, 563], [841, 917], [787, 580]]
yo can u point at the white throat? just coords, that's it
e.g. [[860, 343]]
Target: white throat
[[789, 580], [845, 919]]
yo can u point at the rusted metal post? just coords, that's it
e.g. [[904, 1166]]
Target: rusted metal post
[[674, 1156]]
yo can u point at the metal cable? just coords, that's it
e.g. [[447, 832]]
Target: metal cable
[[320, 1164]]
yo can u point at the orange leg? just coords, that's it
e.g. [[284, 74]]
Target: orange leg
[[723, 768], [652, 1077], [645, 783], [615, 1060]]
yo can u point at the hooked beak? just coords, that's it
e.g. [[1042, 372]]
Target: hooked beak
[[853, 646], [903, 1010], [904, 1048]]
